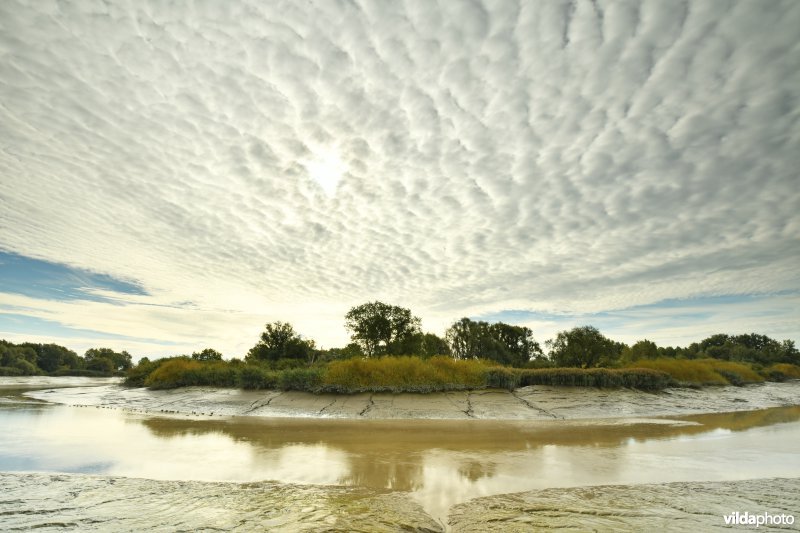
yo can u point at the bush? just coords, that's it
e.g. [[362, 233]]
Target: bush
[[302, 379], [173, 373], [782, 372], [10, 371], [81, 373], [136, 376], [257, 377]]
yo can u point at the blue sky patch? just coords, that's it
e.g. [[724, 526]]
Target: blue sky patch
[[35, 327], [36, 278]]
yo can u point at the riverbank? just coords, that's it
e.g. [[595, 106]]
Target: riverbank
[[64, 502], [526, 403]]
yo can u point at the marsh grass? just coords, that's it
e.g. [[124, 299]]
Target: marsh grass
[[636, 378], [699, 372], [781, 372], [403, 374], [414, 374]]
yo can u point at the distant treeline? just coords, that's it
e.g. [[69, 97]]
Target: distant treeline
[[31, 359], [484, 354]]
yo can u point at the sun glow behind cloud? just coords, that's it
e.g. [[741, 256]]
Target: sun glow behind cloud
[[241, 162], [326, 167]]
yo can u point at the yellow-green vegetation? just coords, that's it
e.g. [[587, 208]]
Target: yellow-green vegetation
[[696, 372], [407, 374], [383, 374], [637, 378], [782, 372]]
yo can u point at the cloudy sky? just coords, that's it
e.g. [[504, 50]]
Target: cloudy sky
[[173, 175]]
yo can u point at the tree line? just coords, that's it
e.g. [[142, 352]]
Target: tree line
[[379, 329], [28, 359]]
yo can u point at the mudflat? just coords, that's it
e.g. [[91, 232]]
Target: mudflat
[[527, 403]]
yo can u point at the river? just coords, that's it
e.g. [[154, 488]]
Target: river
[[436, 464]]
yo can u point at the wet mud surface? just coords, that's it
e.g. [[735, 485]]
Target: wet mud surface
[[91, 503], [46, 502], [665, 507], [527, 403]]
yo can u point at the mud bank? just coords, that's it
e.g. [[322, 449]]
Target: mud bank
[[528, 403], [70, 502], [665, 507], [61, 502]]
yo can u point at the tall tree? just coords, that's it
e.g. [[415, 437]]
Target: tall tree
[[96, 359], [280, 341], [381, 328], [583, 347], [501, 342], [208, 354]]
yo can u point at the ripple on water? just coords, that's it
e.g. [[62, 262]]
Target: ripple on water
[[95, 503]]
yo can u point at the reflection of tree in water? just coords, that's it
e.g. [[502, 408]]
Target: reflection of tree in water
[[390, 454], [397, 471], [476, 470]]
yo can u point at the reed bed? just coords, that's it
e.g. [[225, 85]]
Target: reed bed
[[700, 372]]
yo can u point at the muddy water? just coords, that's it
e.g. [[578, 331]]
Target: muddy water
[[440, 463]]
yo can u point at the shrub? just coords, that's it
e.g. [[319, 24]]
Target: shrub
[[136, 376], [10, 371], [257, 377], [177, 372], [782, 372], [81, 372], [302, 379]]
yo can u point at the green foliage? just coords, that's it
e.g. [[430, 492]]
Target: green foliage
[[584, 347], [499, 342], [280, 341], [381, 328], [300, 379], [107, 360], [257, 377], [208, 354], [643, 349], [136, 375], [11, 371], [29, 359]]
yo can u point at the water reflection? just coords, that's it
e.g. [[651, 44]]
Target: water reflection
[[441, 462]]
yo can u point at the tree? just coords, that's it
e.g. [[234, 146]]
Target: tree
[[465, 338], [643, 349], [501, 342], [280, 341], [118, 360], [515, 345], [433, 344], [381, 328], [583, 347], [208, 354]]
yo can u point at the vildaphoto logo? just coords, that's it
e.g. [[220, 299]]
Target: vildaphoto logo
[[758, 519]]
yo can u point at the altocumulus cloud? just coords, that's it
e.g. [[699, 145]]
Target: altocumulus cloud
[[251, 161]]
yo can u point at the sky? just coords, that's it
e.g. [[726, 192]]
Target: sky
[[175, 175]]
